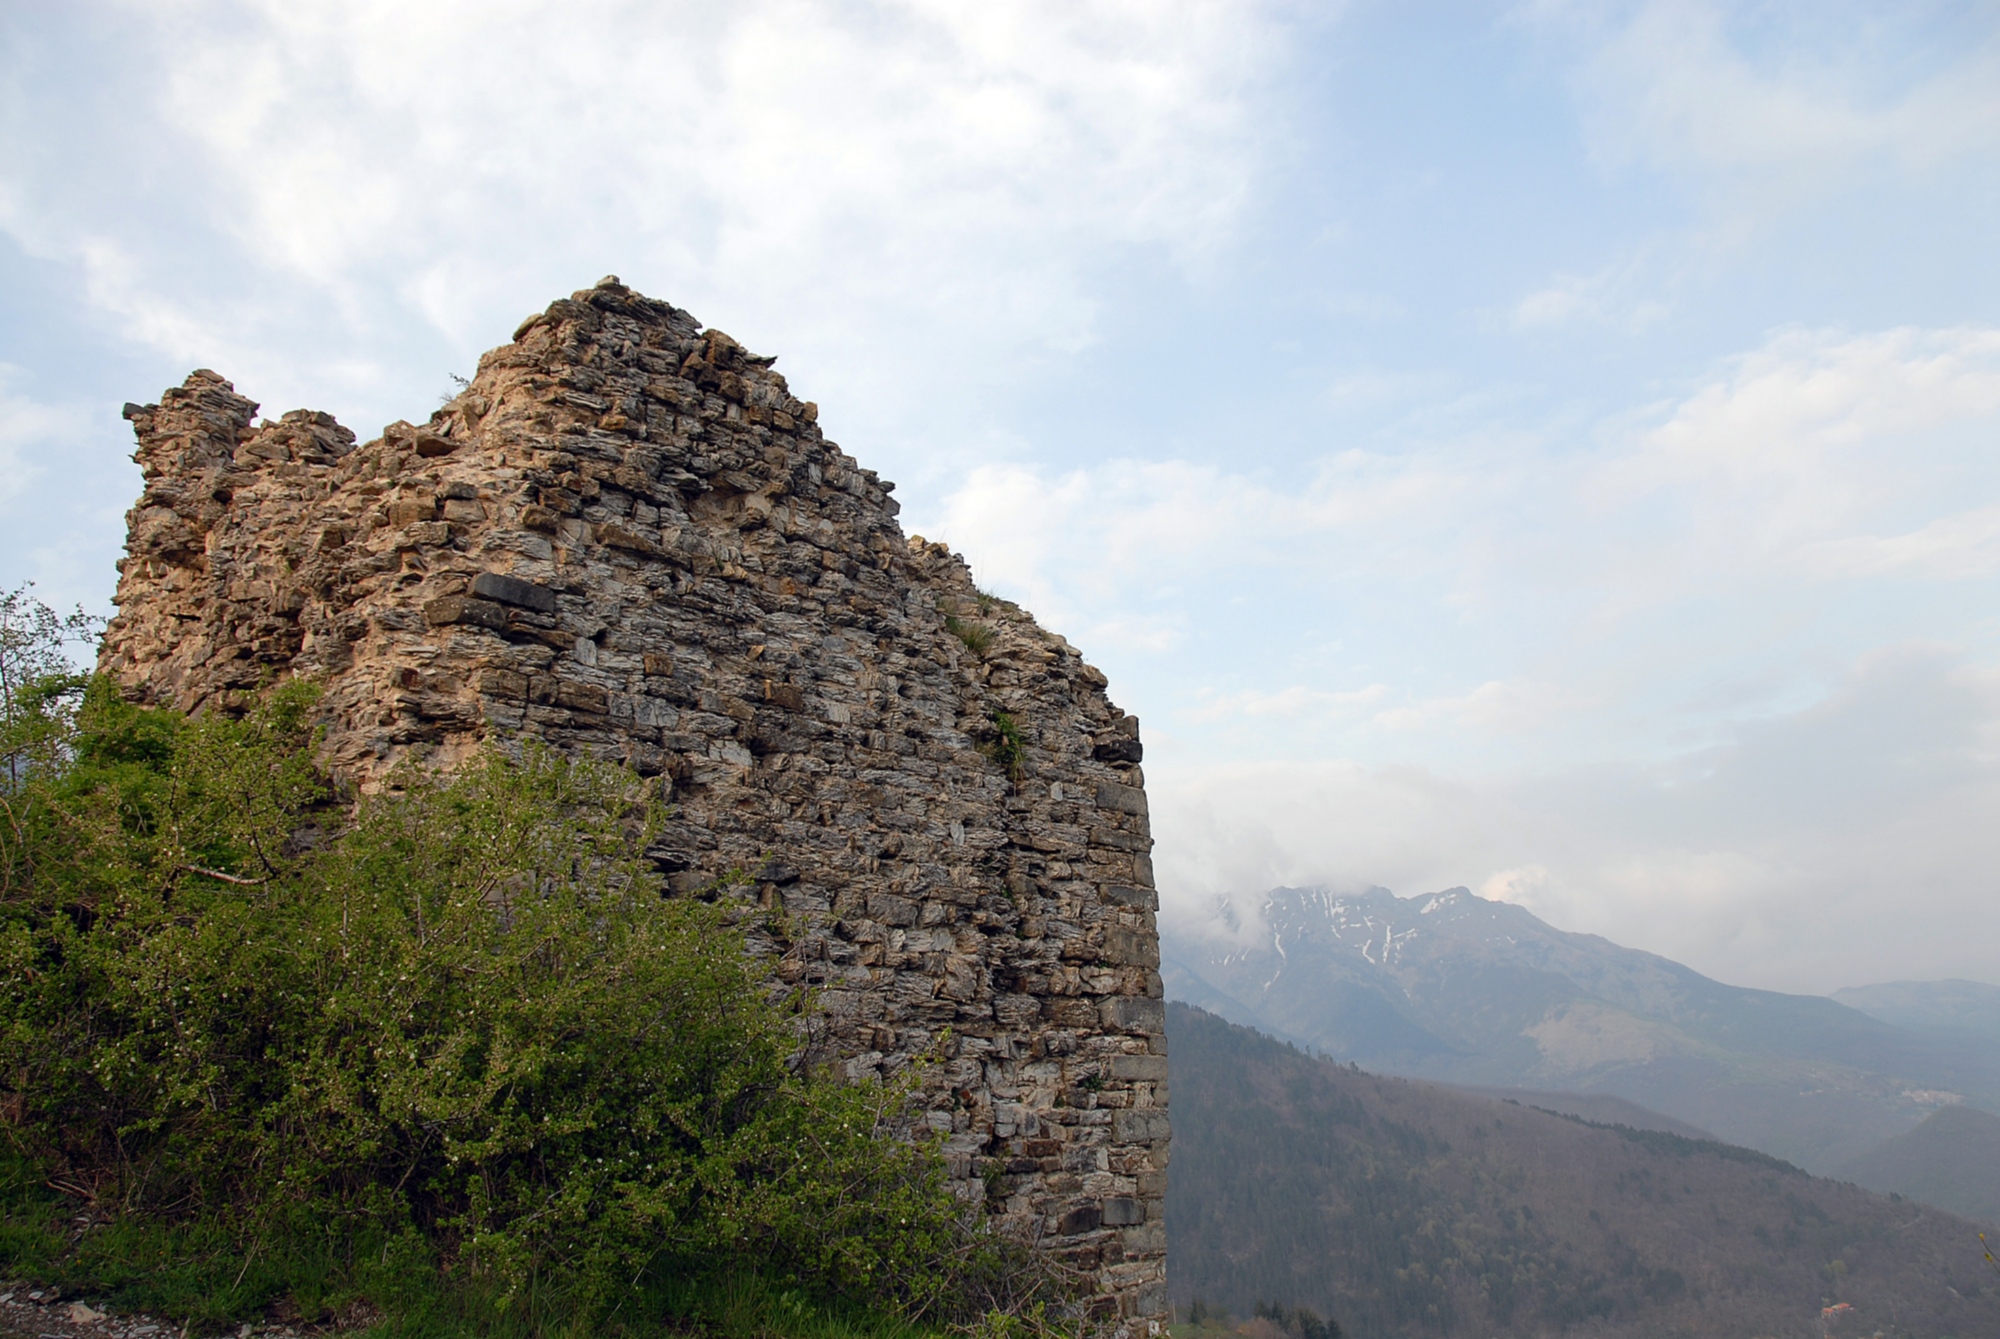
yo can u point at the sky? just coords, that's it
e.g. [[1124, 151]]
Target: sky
[[1548, 448]]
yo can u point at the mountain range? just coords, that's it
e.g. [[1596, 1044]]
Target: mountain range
[[1460, 989]]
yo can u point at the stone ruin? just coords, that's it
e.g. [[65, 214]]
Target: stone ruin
[[627, 538]]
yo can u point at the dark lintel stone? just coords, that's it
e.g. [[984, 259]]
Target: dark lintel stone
[[514, 591]]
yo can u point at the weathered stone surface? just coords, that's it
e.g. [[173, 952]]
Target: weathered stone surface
[[627, 538]]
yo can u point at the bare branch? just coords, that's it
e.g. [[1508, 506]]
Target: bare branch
[[236, 879]]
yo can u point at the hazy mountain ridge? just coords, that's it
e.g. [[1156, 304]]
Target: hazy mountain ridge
[[1402, 1208], [1597, 1108], [1457, 988], [1962, 1008]]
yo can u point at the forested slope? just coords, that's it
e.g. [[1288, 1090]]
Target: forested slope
[[1952, 1160], [1405, 1209]]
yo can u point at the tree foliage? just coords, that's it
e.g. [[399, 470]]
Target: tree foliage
[[464, 1012]]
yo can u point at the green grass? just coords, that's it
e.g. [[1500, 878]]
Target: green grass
[[1007, 747], [378, 1284], [977, 638]]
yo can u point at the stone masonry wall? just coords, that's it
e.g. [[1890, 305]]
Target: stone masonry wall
[[627, 538]]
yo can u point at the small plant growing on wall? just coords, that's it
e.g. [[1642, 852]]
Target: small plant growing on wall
[[978, 639], [1007, 747]]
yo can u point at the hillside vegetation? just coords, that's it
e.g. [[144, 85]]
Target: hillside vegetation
[[447, 1058], [1952, 1160], [1597, 1108], [1400, 1208]]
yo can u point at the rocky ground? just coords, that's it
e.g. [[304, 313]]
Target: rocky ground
[[43, 1313]]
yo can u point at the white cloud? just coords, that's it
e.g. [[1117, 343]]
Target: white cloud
[[1515, 707], [1798, 457], [26, 423], [1296, 700], [1828, 846], [1083, 546], [1245, 826], [1523, 885], [1956, 547], [1812, 461], [1610, 297], [1768, 107], [1806, 399], [64, 484], [1673, 721], [1571, 662], [830, 180]]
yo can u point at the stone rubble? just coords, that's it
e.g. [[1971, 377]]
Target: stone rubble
[[43, 1313], [627, 538], [38, 1313]]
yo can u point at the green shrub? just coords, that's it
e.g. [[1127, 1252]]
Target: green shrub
[[241, 1008]]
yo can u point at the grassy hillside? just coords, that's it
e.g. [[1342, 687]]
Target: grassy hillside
[[1400, 1208], [1952, 1160]]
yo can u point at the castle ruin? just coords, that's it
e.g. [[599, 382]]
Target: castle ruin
[[628, 539]]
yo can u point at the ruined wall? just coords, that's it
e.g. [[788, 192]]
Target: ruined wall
[[627, 538]]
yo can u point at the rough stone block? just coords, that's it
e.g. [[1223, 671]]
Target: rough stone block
[[1143, 1068], [449, 609], [1140, 1125], [411, 510], [1119, 750], [1123, 1211], [1132, 1013], [585, 697], [625, 537], [502, 683], [514, 591], [1079, 1220], [1123, 799], [1131, 948], [892, 910]]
